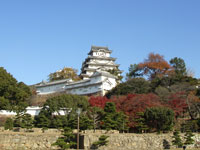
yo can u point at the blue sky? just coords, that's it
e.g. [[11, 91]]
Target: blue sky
[[38, 37]]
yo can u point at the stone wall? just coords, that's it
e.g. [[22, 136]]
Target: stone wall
[[27, 140], [130, 141], [37, 140]]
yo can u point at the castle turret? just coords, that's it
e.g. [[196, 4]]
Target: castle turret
[[98, 59]]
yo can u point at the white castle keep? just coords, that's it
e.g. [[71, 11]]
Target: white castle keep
[[95, 78]]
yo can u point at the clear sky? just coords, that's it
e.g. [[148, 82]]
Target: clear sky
[[38, 37]]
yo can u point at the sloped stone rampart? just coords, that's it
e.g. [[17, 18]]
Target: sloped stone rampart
[[117, 141], [27, 141], [135, 141]]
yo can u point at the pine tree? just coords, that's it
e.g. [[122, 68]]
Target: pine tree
[[113, 120], [27, 122], [188, 138], [176, 139], [101, 142], [8, 124], [140, 122], [67, 140]]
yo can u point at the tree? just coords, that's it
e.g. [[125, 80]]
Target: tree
[[67, 140], [162, 92], [65, 73], [27, 122], [13, 95], [101, 142], [134, 72], [188, 138], [117, 73], [96, 114], [43, 120], [140, 123], [4, 104], [53, 105], [23, 120], [159, 118], [176, 139], [179, 66], [85, 122], [98, 101], [113, 120], [134, 103], [198, 92], [155, 66], [135, 85], [8, 124], [193, 103], [177, 102]]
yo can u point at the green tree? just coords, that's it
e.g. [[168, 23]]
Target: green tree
[[27, 122], [65, 102], [8, 124], [179, 66], [135, 85], [188, 138], [85, 122], [4, 103], [140, 123], [13, 95], [134, 71], [43, 120], [176, 139], [159, 118], [24, 120], [116, 72], [65, 73], [67, 140], [101, 142], [163, 93], [113, 120]]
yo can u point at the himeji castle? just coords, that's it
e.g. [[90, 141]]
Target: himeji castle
[[98, 58], [96, 80]]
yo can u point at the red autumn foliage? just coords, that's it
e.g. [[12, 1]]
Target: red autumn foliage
[[98, 101], [133, 103], [177, 102]]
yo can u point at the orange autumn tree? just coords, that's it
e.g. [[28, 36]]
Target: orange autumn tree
[[155, 66]]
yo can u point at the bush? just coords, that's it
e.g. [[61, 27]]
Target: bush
[[176, 139], [67, 140], [8, 124], [159, 118], [101, 142], [188, 138]]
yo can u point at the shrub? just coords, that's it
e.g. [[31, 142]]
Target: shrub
[[8, 124], [159, 118], [101, 142]]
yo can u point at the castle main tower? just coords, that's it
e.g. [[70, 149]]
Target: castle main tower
[[98, 59]]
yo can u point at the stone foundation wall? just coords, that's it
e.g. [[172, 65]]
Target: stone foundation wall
[[27, 141], [130, 141], [117, 141]]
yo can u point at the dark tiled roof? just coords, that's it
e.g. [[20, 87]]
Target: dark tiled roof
[[97, 48], [42, 84]]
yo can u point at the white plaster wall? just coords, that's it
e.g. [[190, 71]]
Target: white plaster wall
[[50, 89], [99, 54], [89, 73], [33, 111], [96, 79]]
